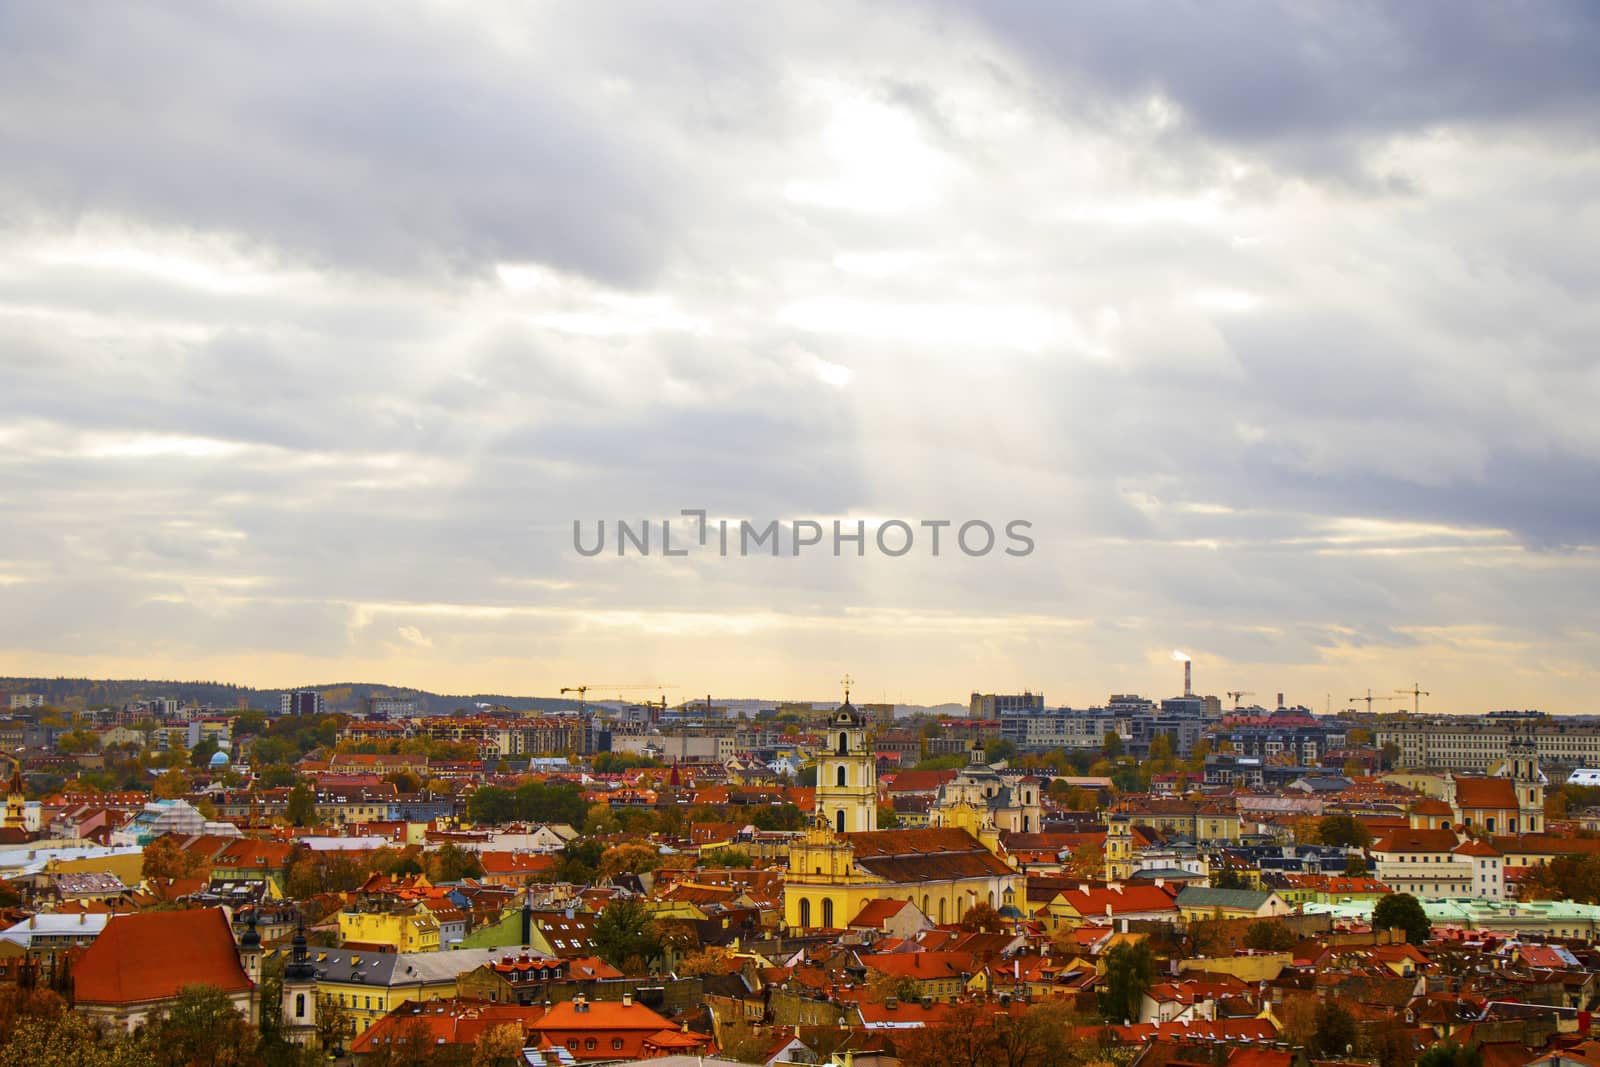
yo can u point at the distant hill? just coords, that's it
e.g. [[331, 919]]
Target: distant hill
[[341, 696]]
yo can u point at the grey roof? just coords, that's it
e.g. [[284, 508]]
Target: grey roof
[[1194, 896], [398, 968]]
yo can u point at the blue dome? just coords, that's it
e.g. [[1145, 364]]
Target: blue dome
[[219, 759]]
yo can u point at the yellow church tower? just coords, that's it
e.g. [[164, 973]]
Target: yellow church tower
[[16, 798], [1119, 849], [847, 772]]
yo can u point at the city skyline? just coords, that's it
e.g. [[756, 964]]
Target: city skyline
[[1287, 354]]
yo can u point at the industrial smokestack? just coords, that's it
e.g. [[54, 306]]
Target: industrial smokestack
[[1188, 689], [1280, 701]]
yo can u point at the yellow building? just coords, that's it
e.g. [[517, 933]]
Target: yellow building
[[1119, 849], [942, 871], [847, 773], [410, 930]]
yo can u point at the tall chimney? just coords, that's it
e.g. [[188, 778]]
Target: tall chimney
[[1280, 701], [1188, 690]]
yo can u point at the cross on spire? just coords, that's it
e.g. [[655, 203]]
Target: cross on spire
[[847, 682]]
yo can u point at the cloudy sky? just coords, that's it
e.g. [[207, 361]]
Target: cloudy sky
[[321, 324]]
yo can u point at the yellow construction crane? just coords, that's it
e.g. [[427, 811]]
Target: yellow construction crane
[[1369, 698], [1235, 694], [581, 690], [1417, 693]]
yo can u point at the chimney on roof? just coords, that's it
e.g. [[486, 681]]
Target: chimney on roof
[[627, 1000]]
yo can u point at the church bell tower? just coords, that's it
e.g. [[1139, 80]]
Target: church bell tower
[[847, 772]]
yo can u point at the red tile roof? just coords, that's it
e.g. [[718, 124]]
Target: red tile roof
[[151, 956], [1409, 840], [1486, 793]]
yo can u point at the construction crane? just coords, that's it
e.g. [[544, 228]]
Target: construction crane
[[1369, 698], [1417, 693], [581, 690], [1235, 694]]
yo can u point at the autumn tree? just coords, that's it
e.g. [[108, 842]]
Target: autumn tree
[[1086, 861], [499, 1046], [634, 858], [625, 936], [983, 918], [1345, 830], [984, 1034], [202, 1029], [1270, 935], [165, 858]]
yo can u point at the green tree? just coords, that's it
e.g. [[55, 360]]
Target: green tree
[[1355, 865], [200, 755], [1450, 1054], [491, 805], [626, 937], [559, 802], [1344, 830], [1335, 1031], [1401, 910], [302, 809], [1129, 969], [1111, 744]]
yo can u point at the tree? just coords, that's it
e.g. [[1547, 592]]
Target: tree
[[1358, 736], [451, 863], [1344, 830], [1401, 910], [405, 781], [1269, 935], [1450, 1054], [302, 808], [560, 802], [1129, 969], [200, 755], [170, 786], [621, 859], [491, 805], [1228, 878], [202, 1029], [888, 818], [983, 918], [1335, 1031], [1307, 830], [779, 817], [1355, 865], [1111, 744], [165, 858], [977, 1034], [499, 1046], [1298, 1017], [626, 937], [75, 741]]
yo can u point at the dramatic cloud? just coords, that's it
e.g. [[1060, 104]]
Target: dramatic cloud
[[320, 326]]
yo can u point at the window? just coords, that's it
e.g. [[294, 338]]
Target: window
[[589, 1043], [300, 1005], [841, 775], [616, 1044]]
